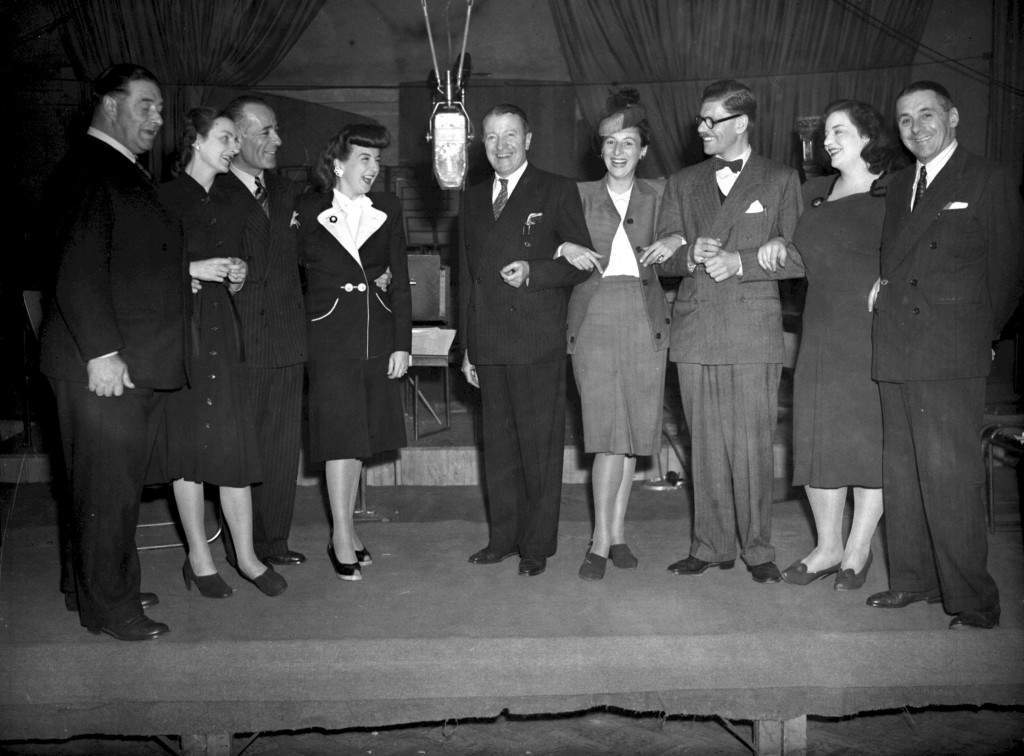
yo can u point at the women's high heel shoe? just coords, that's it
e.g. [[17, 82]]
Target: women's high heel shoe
[[848, 580], [211, 586], [269, 582], [345, 571], [798, 574], [363, 557]]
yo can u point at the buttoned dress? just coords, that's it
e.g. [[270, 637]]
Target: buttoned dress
[[354, 325], [211, 432]]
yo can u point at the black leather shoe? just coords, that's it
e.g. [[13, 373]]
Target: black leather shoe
[[982, 619], [532, 566], [138, 628], [364, 557], [269, 582], [848, 580], [900, 599], [344, 570], [694, 566], [593, 566], [285, 559], [766, 572], [487, 555], [146, 599], [798, 574], [622, 557]]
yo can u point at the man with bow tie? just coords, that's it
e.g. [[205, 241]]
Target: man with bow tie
[[950, 278], [272, 313], [730, 218], [513, 301], [112, 345]]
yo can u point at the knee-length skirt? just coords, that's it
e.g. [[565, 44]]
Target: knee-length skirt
[[619, 373]]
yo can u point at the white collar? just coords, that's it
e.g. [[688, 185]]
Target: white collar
[[512, 178], [107, 139], [936, 164], [248, 179], [343, 202]]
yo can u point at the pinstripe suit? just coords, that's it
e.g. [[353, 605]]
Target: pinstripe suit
[[270, 306], [727, 343]]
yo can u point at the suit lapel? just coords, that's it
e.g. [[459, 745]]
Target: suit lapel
[[938, 194], [642, 204], [604, 220], [743, 193]]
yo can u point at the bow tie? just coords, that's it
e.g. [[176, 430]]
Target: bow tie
[[733, 165]]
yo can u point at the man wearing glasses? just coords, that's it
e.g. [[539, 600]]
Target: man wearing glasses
[[730, 218]]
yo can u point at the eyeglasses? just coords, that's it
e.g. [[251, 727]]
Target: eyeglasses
[[710, 122]]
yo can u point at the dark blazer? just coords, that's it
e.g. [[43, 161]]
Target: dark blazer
[[121, 283], [368, 322], [950, 271], [738, 320], [640, 224], [500, 324], [270, 304]]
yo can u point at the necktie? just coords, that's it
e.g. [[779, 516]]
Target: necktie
[[501, 199], [261, 196], [143, 171], [922, 184], [733, 165]]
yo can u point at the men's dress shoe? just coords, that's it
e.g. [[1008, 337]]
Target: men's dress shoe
[[622, 557], [487, 555], [694, 566], [146, 599], [138, 628], [766, 572], [848, 580], [593, 566], [798, 574], [900, 599], [532, 566], [285, 559], [983, 619]]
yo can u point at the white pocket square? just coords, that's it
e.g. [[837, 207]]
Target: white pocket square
[[755, 207], [955, 206]]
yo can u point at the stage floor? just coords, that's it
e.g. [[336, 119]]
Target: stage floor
[[428, 637]]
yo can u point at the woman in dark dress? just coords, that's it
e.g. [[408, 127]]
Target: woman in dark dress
[[359, 333], [837, 419], [211, 436], [618, 328]]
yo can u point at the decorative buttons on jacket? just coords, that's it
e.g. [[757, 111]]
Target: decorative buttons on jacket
[[350, 287]]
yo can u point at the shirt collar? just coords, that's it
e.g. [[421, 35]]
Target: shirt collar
[[513, 178], [107, 139], [937, 163], [248, 179], [744, 157], [344, 203]]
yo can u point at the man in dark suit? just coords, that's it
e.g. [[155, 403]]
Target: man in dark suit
[[733, 215], [950, 278], [513, 298], [113, 345], [271, 310]]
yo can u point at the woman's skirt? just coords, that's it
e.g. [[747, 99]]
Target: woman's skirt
[[619, 373]]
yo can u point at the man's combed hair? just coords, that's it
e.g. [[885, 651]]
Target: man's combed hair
[[116, 79], [929, 86], [735, 95]]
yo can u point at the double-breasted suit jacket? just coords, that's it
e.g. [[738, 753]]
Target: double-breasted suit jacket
[[271, 311], [349, 316], [121, 286], [950, 272], [640, 223], [738, 320], [501, 324], [516, 339], [727, 343], [950, 278]]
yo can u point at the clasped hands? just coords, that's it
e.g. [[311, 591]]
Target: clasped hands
[[218, 270]]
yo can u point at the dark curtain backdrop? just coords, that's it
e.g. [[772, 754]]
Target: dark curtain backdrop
[[797, 56], [187, 44], [1006, 107]]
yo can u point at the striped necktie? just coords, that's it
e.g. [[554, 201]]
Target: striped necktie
[[922, 184], [501, 199], [261, 196]]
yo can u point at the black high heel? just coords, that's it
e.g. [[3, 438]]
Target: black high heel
[[211, 586], [269, 582], [344, 570], [364, 557]]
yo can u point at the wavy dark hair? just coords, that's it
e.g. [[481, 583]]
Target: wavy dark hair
[[339, 147], [507, 108], [882, 152], [625, 102], [198, 123], [116, 78], [735, 95]]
